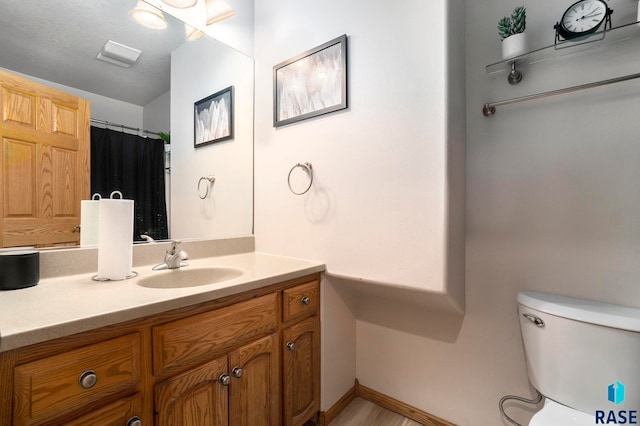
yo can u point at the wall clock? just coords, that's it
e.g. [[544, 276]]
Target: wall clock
[[582, 18]]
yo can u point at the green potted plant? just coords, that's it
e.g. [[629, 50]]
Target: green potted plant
[[166, 137], [511, 32]]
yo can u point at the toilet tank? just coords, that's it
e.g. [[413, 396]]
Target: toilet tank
[[578, 352]]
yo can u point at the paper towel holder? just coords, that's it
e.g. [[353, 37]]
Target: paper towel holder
[[132, 274]]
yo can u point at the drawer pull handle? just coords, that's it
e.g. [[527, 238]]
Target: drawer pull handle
[[291, 346], [237, 372], [134, 421], [88, 379], [305, 300], [224, 379]]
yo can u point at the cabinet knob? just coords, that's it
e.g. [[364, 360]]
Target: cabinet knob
[[88, 379], [224, 379], [305, 300], [291, 346], [134, 421], [237, 372]]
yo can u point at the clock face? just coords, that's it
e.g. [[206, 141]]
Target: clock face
[[584, 17]]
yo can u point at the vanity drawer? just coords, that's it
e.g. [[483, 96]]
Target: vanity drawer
[[49, 387], [301, 301], [120, 413], [188, 342]]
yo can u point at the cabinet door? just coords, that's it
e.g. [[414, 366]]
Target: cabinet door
[[301, 371], [255, 384], [197, 397]]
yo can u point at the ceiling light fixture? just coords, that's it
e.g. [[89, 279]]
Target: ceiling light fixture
[[218, 10], [148, 16], [192, 33], [180, 4], [118, 54]]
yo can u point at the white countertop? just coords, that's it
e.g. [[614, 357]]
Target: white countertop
[[62, 306]]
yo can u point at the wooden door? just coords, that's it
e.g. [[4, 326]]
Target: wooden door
[[254, 394], [45, 145], [301, 358], [195, 398]]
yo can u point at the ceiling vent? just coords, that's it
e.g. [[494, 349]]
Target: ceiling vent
[[119, 54]]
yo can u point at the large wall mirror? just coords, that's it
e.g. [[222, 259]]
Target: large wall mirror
[[56, 44]]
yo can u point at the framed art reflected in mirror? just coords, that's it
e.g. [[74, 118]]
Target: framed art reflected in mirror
[[213, 120]]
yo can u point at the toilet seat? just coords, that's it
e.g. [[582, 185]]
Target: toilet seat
[[554, 414]]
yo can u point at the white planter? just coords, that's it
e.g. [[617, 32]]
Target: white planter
[[514, 45]]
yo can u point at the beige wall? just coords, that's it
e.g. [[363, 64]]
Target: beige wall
[[552, 202], [199, 69], [379, 208]]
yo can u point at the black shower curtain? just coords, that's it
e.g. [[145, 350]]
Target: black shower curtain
[[134, 166]]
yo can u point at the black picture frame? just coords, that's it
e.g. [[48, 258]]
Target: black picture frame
[[213, 118], [310, 84]]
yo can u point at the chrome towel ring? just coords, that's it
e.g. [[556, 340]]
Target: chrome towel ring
[[211, 179], [307, 168]]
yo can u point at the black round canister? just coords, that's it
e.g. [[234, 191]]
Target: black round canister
[[19, 269]]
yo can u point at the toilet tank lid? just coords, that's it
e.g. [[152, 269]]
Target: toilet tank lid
[[605, 314]]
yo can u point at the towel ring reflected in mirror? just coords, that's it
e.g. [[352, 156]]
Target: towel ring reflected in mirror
[[308, 169], [211, 179]]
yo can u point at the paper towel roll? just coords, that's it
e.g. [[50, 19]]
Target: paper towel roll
[[115, 239], [89, 220]]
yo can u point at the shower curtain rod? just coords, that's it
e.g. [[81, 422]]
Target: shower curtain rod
[[122, 126]]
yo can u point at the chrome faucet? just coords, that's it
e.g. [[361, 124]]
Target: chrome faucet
[[173, 258], [147, 238]]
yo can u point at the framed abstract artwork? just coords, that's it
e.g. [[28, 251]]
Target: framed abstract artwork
[[213, 120], [311, 84]]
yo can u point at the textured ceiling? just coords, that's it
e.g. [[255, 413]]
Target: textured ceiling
[[58, 40]]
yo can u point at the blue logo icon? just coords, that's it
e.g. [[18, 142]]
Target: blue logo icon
[[616, 393]]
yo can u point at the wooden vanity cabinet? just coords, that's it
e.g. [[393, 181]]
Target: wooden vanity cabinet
[[195, 397], [246, 377], [247, 359], [301, 356], [218, 394], [123, 412], [48, 388]]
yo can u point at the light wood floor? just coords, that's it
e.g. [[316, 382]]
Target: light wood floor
[[361, 412]]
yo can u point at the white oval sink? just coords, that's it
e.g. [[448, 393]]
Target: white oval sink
[[189, 277]]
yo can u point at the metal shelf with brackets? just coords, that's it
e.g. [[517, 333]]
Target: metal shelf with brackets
[[561, 48]]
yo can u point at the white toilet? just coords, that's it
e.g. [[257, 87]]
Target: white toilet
[[576, 350]]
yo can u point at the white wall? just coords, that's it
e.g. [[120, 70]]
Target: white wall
[[552, 196], [377, 208], [157, 114], [237, 31], [379, 205], [552, 201], [199, 69], [102, 107]]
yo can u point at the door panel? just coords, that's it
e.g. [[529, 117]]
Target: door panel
[[254, 397], [194, 398], [301, 371], [45, 142]]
